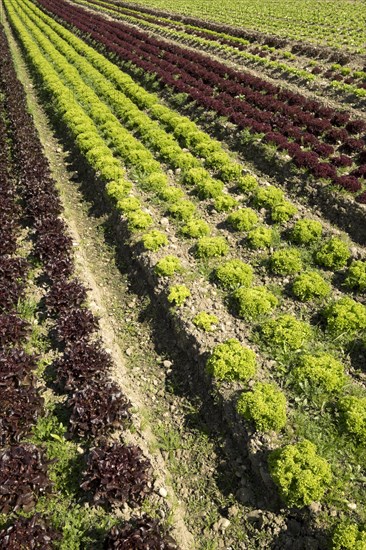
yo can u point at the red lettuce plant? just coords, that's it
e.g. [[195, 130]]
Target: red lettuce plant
[[75, 324], [81, 362], [31, 533], [98, 409], [116, 474], [16, 368], [23, 477], [13, 329], [64, 295], [19, 409], [140, 534]]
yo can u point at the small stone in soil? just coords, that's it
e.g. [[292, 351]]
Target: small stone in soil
[[163, 492]]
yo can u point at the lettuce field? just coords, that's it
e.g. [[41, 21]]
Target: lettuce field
[[182, 275]]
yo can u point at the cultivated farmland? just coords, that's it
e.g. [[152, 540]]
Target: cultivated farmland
[[182, 275]]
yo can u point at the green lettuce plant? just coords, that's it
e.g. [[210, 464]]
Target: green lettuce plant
[[353, 415], [306, 231], [349, 536], [281, 213], [138, 220], [178, 294], [232, 361], [269, 197], [182, 210], [286, 332], [154, 240], [260, 237], [242, 219], [310, 285], [254, 302], [265, 406], [300, 473], [225, 203], [234, 273], [286, 261], [247, 183], [167, 266], [195, 229], [209, 247], [333, 254], [321, 371], [346, 317], [129, 204], [205, 321], [356, 276]]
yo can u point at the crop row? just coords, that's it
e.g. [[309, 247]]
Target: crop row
[[310, 133], [207, 247], [241, 49], [114, 473]]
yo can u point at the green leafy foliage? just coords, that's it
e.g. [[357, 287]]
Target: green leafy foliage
[[349, 536], [138, 220], [195, 229], [281, 213], [182, 210], [209, 247], [167, 266], [356, 276], [209, 189], [171, 194], [310, 285], [269, 197], [286, 333], [247, 183], [205, 321], [234, 273], [232, 361], [334, 254], [353, 414], [321, 371], [155, 182], [286, 261], [301, 475], [129, 204], [178, 294], [117, 190], [195, 176], [265, 406], [64, 472], [254, 302], [154, 240], [260, 237], [225, 203], [306, 231], [346, 317], [229, 171], [243, 219]]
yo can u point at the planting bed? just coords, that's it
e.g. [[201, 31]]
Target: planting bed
[[265, 298]]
